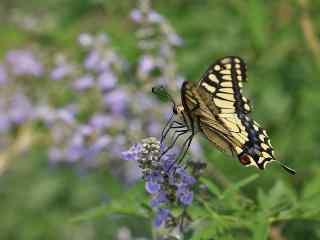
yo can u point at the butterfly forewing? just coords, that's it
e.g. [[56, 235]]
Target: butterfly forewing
[[223, 82], [205, 120]]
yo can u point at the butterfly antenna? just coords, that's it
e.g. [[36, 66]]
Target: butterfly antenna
[[288, 169]]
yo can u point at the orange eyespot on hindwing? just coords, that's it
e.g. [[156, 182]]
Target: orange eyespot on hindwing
[[245, 159]]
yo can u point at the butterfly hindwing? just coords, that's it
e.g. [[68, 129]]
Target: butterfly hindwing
[[221, 112]]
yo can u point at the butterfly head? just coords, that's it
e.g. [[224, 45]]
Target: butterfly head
[[177, 109]]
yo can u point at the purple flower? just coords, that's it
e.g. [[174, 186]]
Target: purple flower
[[145, 102], [117, 101], [184, 195], [136, 15], [61, 71], [159, 198], [155, 17], [166, 181], [161, 217], [101, 143], [20, 108], [23, 62], [175, 39], [5, 123], [107, 80], [133, 153], [195, 148], [3, 75], [146, 64], [92, 61], [86, 130], [66, 114], [75, 150], [100, 121], [45, 113], [84, 83], [152, 187], [154, 128]]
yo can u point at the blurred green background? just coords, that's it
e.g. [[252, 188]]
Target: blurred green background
[[280, 41]]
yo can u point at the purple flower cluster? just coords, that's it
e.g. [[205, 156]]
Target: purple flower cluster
[[168, 183], [157, 41], [62, 68], [24, 63], [108, 108], [14, 110], [16, 106]]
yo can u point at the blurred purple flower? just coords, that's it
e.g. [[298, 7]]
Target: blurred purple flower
[[61, 71], [44, 113], [66, 114], [107, 80], [155, 17], [132, 172], [106, 61], [20, 109], [101, 143], [154, 128], [175, 39], [5, 123], [100, 121], [3, 75], [145, 102], [136, 15], [85, 130], [196, 149], [92, 60], [118, 146], [74, 150], [84, 83], [23, 62], [117, 101], [133, 153], [146, 64]]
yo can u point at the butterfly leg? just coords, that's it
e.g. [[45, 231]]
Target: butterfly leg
[[183, 152], [168, 127], [176, 135], [185, 147], [169, 122]]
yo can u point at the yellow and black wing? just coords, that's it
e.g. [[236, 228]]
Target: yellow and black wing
[[203, 119], [221, 89]]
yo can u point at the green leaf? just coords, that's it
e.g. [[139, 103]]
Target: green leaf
[[212, 187], [236, 187], [112, 208], [130, 203], [260, 227]]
